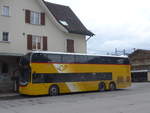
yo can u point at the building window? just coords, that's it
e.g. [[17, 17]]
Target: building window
[[36, 42], [35, 18], [5, 36], [32, 17], [5, 10], [70, 45]]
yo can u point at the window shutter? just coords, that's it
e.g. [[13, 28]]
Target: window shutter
[[42, 18], [29, 42], [45, 43], [27, 16], [70, 45]]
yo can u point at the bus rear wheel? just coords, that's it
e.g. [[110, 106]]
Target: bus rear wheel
[[54, 90], [102, 87], [112, 86]]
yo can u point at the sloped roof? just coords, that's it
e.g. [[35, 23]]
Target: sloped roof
[[66, 17]]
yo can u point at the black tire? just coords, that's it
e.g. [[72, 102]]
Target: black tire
[[102, 87], [54, 90], [112, 86]]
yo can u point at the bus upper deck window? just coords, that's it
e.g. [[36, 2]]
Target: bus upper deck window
[[39, 57]]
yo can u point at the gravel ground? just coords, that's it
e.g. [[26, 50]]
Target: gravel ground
[[131, 100]]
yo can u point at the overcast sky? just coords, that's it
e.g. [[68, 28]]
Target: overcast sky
[[122, 24]]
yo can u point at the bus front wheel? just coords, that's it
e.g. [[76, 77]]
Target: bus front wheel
[[102, 87], [53, 90], [112, 86]]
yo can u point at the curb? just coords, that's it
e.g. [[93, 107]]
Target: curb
[[9, 95]]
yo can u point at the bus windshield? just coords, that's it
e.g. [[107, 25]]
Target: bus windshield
[[25, 69]]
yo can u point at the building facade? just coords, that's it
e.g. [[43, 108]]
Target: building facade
[[29, 25], [140, 65]]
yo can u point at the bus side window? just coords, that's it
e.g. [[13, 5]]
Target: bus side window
[[38, 78], [91, 59], [126, 61], [54, 58], [81, 59], [68, 58], [120, 61], [103, 60], [34, 76], [113, 60]]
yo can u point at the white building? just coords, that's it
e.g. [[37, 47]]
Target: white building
[[27, 25]]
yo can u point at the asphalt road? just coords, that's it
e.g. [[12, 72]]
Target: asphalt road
[[131, 100]]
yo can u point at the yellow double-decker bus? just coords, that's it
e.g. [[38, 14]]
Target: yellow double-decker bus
[[52, 73]]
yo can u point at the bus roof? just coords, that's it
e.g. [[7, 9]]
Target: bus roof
[[49, 52]]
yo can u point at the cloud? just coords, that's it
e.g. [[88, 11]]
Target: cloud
[[116, 23]]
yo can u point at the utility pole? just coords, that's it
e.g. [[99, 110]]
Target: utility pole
[[116, 51], [124, 52]]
